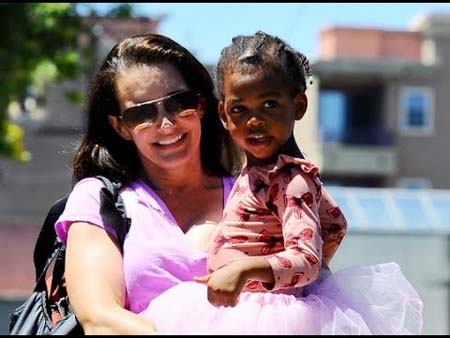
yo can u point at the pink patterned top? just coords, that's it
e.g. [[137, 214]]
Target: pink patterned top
[[282, 212]]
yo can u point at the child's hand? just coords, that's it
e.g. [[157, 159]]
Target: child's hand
[[224, 285]]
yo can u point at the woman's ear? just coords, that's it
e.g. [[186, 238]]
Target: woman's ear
[[120, 128], [223, 118], [301, 102]]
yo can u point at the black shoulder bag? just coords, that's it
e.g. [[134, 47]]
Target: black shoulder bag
[[47, 311]]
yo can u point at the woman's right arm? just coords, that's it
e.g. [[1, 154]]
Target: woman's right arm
[[95, 283]]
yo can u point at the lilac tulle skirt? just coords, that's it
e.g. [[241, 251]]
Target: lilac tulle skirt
[[360, 300]]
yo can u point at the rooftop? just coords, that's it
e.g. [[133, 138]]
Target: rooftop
[[386, 68], [120, 28]]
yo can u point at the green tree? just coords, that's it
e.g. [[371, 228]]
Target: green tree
[[39, 45]]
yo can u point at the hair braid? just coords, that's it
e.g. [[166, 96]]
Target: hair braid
[[268, 52], [306, 66]]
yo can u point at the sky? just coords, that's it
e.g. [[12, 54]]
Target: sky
[[205, 28]]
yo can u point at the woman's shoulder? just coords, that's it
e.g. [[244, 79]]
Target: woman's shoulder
[[87, 184], [92, 185], [86, 188], [83, 205]]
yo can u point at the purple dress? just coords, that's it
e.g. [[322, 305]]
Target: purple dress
[[157, 254], [275, 212], [160, 263]]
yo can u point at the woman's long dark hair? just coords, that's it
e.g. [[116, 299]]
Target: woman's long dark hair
[[104, 152]]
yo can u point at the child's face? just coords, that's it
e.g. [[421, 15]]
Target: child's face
[[259, 111]]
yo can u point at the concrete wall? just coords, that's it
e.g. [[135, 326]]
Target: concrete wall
[[424, 260]]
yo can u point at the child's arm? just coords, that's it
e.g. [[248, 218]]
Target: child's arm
[[296, 203], [298, 265], [226, 283], [333, 223]]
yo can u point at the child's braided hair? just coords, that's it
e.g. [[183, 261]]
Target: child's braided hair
[[263, 50]]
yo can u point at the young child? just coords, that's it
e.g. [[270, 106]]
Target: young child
[[279, 224]]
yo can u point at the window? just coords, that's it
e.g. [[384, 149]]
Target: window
[[417, 111], [332, 110]]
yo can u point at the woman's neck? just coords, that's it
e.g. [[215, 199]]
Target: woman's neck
[[192, 196], [175, 181]]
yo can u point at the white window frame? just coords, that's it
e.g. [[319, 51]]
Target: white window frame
[[428, 128]]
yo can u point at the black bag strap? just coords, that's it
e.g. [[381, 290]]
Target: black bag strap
[[40, 279], [58, 269], [48, 246], [112, 209]]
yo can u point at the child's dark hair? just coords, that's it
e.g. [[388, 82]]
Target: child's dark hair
[[261, 50]]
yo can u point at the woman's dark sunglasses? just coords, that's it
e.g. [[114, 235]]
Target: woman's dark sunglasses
[[180, 104]]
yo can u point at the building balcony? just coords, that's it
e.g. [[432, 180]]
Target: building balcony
[[343, 159], [368, 137]]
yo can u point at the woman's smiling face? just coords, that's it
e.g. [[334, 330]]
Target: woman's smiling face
[[170, 141]]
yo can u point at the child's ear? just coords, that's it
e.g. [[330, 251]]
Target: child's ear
[[223, 118], [120, 128], [301, 102]]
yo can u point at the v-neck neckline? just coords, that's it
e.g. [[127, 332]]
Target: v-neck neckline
[[162, 207]]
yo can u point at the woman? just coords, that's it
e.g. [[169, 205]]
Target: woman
[[153, 125]]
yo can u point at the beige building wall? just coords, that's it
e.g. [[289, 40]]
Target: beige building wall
[[306, 131], [426, 48], [427, 155], [407, 250]]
